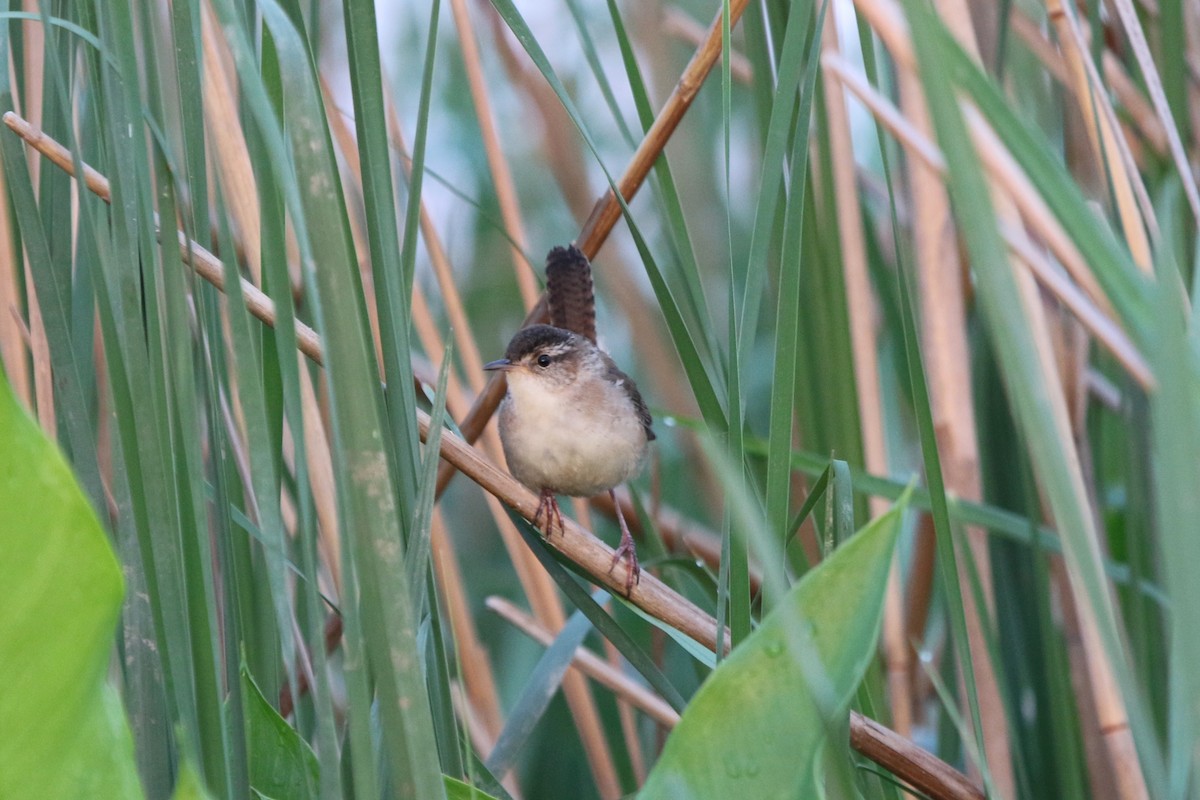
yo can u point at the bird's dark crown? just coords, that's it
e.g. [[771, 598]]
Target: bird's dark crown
[[541, 339]]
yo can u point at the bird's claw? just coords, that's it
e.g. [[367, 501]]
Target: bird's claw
[[548, 505], [633, 572], [626, 550]]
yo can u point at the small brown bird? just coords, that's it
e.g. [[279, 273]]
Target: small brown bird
[[572, 422]]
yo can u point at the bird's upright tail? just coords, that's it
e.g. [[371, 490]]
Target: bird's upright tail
[[569, 289]]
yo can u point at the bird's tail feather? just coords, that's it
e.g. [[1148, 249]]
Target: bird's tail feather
[[569, 289]]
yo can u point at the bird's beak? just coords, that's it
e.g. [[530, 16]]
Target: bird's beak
[[503, 364]]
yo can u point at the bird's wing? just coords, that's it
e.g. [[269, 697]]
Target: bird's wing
[[615, 375]]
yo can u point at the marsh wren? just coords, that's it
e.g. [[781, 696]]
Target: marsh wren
[[572, 422]]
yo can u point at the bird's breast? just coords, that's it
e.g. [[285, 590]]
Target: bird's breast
[[580, 441]]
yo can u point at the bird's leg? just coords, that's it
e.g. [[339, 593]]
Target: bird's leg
[[625, 550], [548, 505]]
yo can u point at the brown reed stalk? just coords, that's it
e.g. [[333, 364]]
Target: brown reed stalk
[[12, 328], [678, 23], [238, 183], [1109, 146], [608, 210], [502, 180], [994, 720], [917, 767], [206, 265]]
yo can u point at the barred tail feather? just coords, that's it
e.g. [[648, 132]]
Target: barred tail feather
[[569, 288]]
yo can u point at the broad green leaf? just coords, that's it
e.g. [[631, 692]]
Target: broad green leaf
[[457, 790], [189, 786], [64, 732], [793, 675], [281, 762]]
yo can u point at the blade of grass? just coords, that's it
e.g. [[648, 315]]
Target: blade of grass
[[787, 313], [308, 441], [947, 559], [540, 687], [781, 176], [263, 493], [810, 502], [842, 502], [393, 261], [417, 559], [131, 318], [1175, 431]]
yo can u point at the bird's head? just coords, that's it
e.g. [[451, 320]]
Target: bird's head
[[548, 356]]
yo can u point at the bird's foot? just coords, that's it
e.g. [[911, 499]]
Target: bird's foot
[[626, 550], [633, 572], [548, 506]]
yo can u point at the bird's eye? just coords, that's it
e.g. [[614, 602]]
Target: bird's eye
[[543, 360]]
